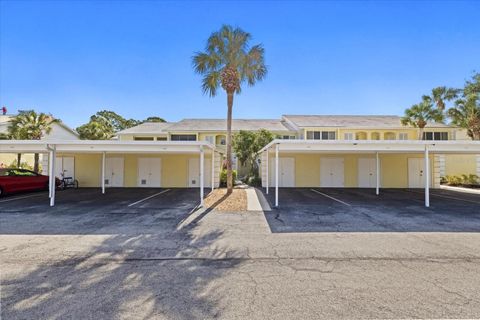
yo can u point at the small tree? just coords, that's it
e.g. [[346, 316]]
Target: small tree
[[29, 125], [247, 146], [420, 114]]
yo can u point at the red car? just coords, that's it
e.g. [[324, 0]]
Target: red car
[[18, 180]]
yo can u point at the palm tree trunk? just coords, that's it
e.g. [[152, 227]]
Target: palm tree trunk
[[229, 142], [35, 163], [420, 134], [19, 160]]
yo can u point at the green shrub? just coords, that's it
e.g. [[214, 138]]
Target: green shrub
[[464, 179], [254, 181], [23, 165], [223, 177]]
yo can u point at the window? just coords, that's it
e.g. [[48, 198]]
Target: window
[[161, 138], [22, 173], [389, 136], [403, 136], [143, 138], [435, 136], [183, 137], [348, 136], [287, 137], [321, 135]]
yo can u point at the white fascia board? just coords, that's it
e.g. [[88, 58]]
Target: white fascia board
[[374, 146], [28, 146]]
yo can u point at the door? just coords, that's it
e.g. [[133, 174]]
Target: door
[[149, 172], [367, 173], [114, 172], [65, 167], [194, 173], [286, 172], [332, 172], [416, 173]]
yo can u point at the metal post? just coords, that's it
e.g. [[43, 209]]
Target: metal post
[[201, 175], [52, 175], [378, 174], [103, 172], [427, 178], [267, 172], [213, 170], [276, 175]]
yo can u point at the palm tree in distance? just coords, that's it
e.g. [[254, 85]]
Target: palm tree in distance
[[29, 125], [420, 114], [228, 62]]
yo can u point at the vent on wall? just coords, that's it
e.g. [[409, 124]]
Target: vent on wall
[[144, 181]]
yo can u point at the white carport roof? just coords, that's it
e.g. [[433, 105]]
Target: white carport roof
[[367, 146], [98, 146], [107, 146]]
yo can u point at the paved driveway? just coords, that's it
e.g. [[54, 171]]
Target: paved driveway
[[360, 210], [94, 258]]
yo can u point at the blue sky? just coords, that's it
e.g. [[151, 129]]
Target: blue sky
[[72, 59]]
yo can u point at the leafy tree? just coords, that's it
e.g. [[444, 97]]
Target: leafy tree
[[420, 114], [247, 146], [154, 119], [227, 62], [104, 124], [466, 112], [29, 125]]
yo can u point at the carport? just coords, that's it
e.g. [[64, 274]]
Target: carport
[[294, 162], [92, 157]]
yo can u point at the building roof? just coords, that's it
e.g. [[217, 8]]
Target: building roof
[[221, 125], [351, 121], [147, 128], [5, 122]]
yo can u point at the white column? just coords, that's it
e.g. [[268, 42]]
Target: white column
[[267, 171], [377, 190], [103, 172], [53, 186], [427, 178], [50, 173], [276, 175], [202, 160], [213, 170]]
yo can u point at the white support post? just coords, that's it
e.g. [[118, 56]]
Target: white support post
[[50, 173], [103, 172], [267, 172], [53, 186], [213, 169], [276, 175], [377, 190], [427, 178], [202, 160]]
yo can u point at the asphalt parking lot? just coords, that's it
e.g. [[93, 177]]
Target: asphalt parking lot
[[114, 256], [87, 210], [361, 210]]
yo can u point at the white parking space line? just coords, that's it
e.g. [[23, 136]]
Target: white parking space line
[[448, 197], [330, 197], [149, 197], [24, 197]]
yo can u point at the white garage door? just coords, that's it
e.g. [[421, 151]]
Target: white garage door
[[332, 172], [367, 173], [65, 167], [194, 173], [149, 172], [286, 172], [416, 171], [114, 172]]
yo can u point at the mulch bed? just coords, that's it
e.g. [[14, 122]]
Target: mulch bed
[[219, 201]]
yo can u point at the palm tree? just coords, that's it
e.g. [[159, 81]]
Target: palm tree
[[229, 61], [442, 94], [466, 115], [420, 114], [29, 125]]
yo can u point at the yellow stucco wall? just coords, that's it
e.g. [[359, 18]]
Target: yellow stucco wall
[[174, 168], [456, 164], [393, 168]]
